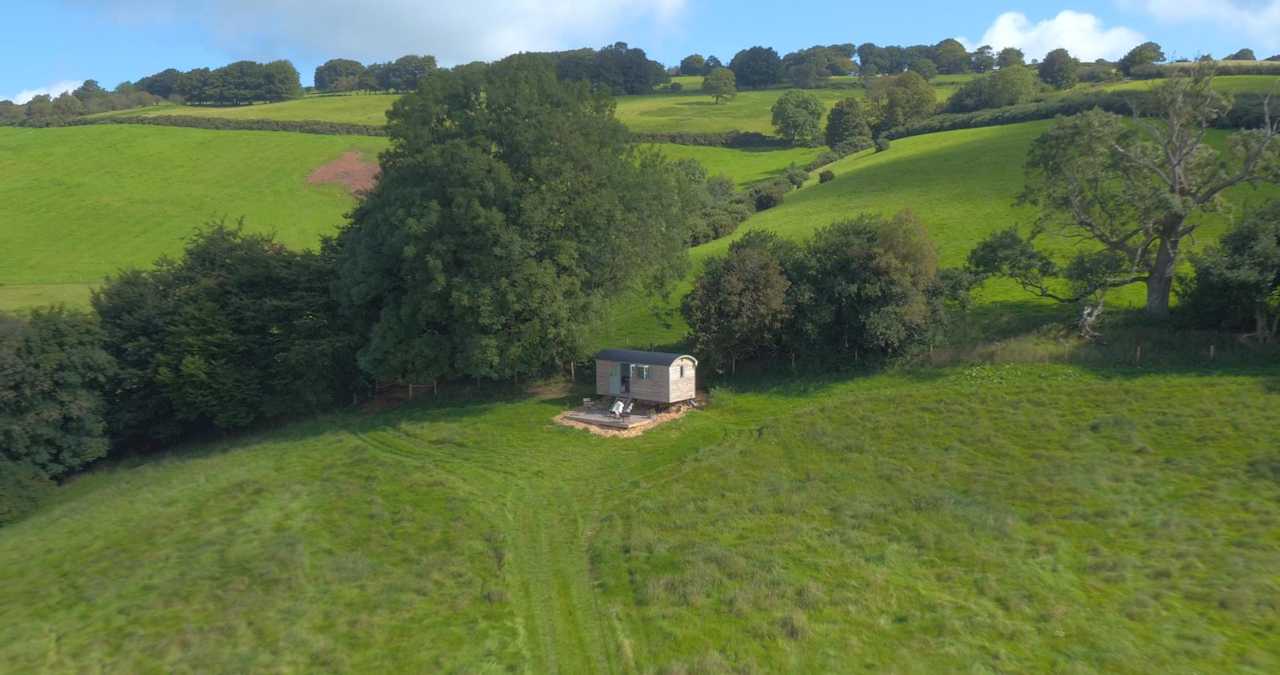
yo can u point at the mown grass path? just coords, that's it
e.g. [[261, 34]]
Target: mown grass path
[[544, 499]]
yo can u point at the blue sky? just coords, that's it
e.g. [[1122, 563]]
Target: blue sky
[[53, 44]]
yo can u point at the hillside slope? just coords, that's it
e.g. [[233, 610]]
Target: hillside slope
[[79, 203], [963, 185], [991, 518]]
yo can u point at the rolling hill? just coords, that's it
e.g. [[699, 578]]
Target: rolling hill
[[1012, 518], [82, 202], [354, 109], [1074, 514]]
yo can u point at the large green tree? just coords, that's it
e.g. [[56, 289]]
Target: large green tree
[[863, 285], [983, 59], [1237, 281], [333, 74], [951, 56], [720, 85], [1010, 56], [739, 307], [53, 372], [757, 67], [848, 121], [693, 64], [1136, 189], [901, 100], [797, 117], [1008, 86], [1144, 54], [511, 203], [237, 330], [1059, 69]]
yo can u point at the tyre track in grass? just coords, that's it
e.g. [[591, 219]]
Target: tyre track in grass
[[541, 502]]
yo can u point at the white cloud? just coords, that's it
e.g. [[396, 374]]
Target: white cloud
[[54, 90], [455, 32], [1258, 20], [1081, 34]]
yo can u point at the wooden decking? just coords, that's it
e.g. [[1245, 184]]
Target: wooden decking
[[604, 419]]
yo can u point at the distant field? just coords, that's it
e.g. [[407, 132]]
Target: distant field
[[694, 112], [79, 203], [979, 519], [744, 165], [355, 109], [1231, 84]]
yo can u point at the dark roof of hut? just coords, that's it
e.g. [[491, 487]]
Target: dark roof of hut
[[636, 356]]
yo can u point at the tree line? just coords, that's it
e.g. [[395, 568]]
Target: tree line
[[239, 83], [345, 75], [87, 99]]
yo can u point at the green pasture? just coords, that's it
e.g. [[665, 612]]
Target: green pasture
[[79, 203], [691, 111], [350, 109], [744, 165], [1228, 84], [1009, 518]]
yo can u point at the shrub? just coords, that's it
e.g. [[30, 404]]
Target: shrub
[[795, 175], [675, 87], [768, 194], [1236, 285], [826, 176], [823, 159], [882, 144], [854, 145]]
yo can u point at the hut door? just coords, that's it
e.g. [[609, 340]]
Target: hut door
[[615, 379]]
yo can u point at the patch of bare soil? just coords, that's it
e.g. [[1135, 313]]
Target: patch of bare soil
[[349, 170], [655, 421]]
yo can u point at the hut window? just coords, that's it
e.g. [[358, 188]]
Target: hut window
[[682, 371], [641, 372]]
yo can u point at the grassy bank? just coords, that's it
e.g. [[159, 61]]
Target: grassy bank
[[1001, 518]]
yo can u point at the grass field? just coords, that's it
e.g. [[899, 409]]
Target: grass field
[[1232, 84], [983, 518], [694, 112], [744, 165], [355, 109], [81, 202]]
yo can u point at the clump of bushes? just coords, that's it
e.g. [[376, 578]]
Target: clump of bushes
[[796, 176], [768, 194], [716, 204], [826, 176], [862, 287], [882, 144], [1236, 285], [53, 372]]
